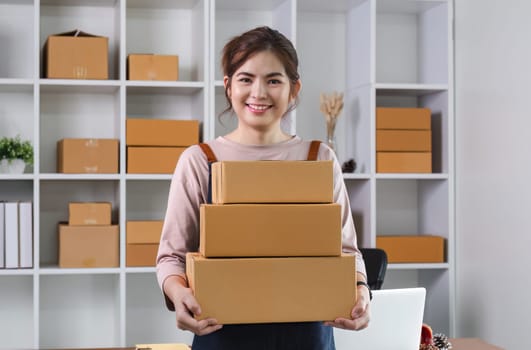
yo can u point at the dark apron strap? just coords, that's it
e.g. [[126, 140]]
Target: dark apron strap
[[314, 150], [211, 157]]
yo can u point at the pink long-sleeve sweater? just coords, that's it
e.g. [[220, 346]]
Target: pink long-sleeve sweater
[[189, 189]]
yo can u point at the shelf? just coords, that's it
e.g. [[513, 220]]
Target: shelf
[[380, 53], [78, 271]]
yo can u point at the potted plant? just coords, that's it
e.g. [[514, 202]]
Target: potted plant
[[15, 154]]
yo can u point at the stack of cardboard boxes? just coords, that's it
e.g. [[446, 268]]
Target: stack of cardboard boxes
[[89, 239], [155, 145], [403, 140], [270, 245]]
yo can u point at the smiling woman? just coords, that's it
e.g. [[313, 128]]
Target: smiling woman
[[262, 84]]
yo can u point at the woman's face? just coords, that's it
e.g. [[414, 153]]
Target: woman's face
[[260, 92]]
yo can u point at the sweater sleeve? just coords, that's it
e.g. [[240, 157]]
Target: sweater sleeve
[[348, 231], [180, 232]]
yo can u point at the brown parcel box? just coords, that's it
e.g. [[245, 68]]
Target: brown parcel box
[[161, 132], [89, 246], [272, 182], [412, 249], [76, 156], [253, 230], [258, 290], [143, 239], [76, 55], [403, 140], [152, 67], [152, 160], [89, 213], [403, 118], [403, 162]]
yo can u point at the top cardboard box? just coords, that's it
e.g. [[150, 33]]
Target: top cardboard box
[[272, 182], [76, 55], [403, 118]]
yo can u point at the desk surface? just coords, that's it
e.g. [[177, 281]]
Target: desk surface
[[471, 344], [457, 344]]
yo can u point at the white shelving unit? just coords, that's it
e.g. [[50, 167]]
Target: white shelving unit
[[378, 52]]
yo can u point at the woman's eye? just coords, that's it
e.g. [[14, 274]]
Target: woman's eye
[[274, 81], [245, 80]]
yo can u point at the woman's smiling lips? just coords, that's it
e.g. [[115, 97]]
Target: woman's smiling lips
[[258, 108]]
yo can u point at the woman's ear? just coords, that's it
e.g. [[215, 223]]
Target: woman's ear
[[226, 80], [296, 89]]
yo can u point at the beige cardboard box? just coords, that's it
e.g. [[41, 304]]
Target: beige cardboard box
[[76, 55], [257, 290], [403, 162], [152, 67], [153, 160], [412, 249], [89, 213], [403, 140], [143, 239], [89, 246], [161, 132], [272, 182], [403, 118], [254, 230], [78, 156]]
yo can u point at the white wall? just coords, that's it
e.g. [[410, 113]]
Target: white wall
[[493, 179]]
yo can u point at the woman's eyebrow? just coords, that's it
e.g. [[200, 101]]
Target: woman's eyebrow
[[269, 75]]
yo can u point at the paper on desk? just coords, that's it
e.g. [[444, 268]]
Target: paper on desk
[[162, 347]]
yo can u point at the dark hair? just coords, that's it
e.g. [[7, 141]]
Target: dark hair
[[240, 48]]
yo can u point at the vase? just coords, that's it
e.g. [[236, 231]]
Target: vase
[[331, 137], [12, 166]]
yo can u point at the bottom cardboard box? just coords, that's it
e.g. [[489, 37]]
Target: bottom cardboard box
[[89, 246], [412, 249], [264, 290], [138, 255], [403, 162], [142, 239]]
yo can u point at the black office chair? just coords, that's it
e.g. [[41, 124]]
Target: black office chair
[[376, 265]]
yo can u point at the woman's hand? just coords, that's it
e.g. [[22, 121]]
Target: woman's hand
[[186, 307], [360, 314]]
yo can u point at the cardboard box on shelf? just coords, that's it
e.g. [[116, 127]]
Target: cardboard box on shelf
[[403, 140], [412, 248], [403, 118], [279, 182], [254, 230], [89, 246], [152, 67], [142, 240], [89, 213], [153, 160], [257, 290], [161, 132], [403, 162], [76, 55], [79, 156]]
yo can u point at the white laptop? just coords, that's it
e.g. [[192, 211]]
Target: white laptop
[[396, 322]]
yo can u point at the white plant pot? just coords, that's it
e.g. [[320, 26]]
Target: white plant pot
[[15, 166]]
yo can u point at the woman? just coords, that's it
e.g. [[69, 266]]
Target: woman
[[261, 86]]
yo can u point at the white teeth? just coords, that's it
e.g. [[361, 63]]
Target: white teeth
[[259, 107]]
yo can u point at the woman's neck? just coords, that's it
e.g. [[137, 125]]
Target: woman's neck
[[257, 137]]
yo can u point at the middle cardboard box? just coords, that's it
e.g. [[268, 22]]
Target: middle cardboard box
[[267, 230]]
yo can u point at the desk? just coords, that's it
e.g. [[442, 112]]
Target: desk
[[471, 344]]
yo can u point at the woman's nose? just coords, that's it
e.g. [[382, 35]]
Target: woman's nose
[[259, 89]]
